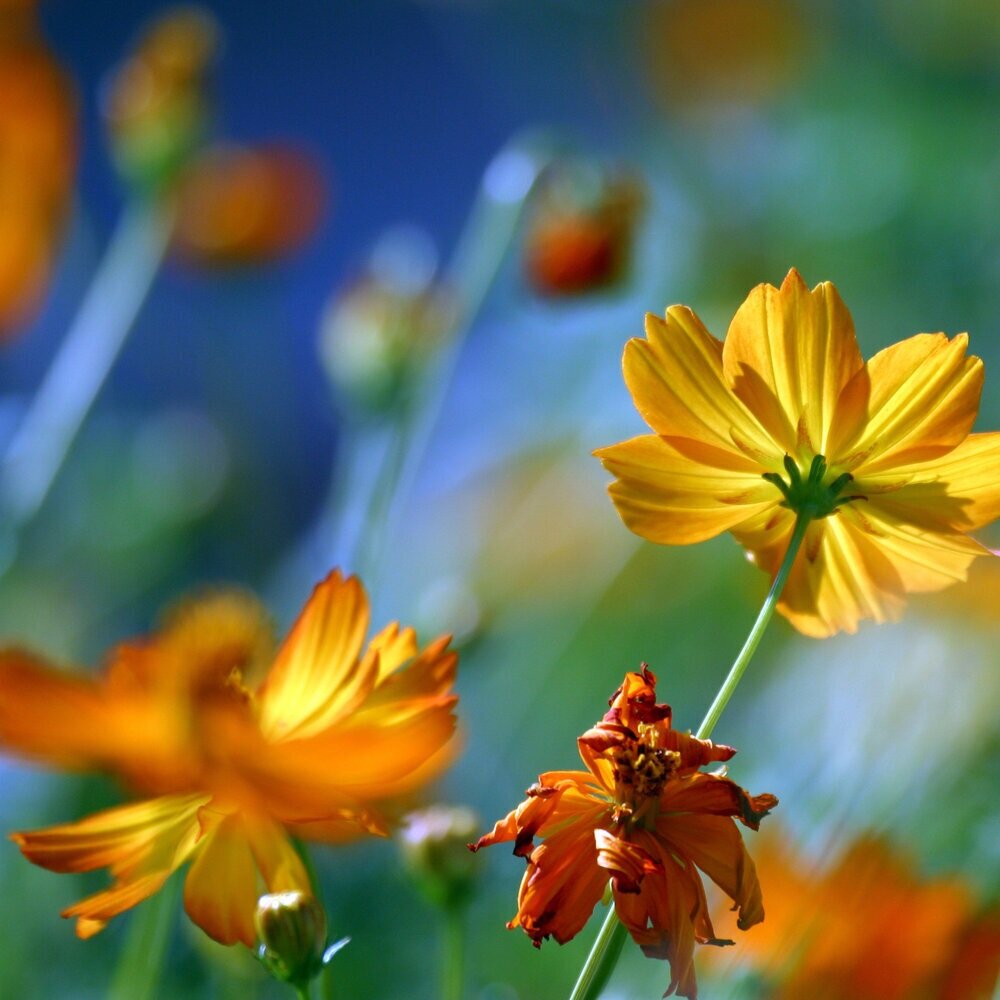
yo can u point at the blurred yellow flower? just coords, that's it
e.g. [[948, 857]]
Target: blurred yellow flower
[[246, 205], [785, 415], [237, 761], [37, 163], [645, 817]]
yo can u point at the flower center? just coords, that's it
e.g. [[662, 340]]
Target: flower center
[[641, 770], [810, 495]]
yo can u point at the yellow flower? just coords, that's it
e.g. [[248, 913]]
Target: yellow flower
[[786, 415], [644, 816], [237, 763]]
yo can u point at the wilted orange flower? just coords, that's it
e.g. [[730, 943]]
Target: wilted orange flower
[[816, 943], [237, 759], [37, 163], [643, 815], [786, 416], [246, 206]]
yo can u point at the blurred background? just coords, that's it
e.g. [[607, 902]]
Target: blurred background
[[365, 275]]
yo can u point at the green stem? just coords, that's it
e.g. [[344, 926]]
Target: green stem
[[453, 966], [741, 662], [84, 360], [606, 949], [141, 961], [602, 958], [302, 992]]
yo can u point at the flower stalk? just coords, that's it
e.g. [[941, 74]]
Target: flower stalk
[[607, 947]]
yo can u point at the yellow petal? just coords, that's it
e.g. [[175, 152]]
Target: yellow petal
[[317, 676], [221, 890], [400, 692], [914, 401], [278, 861], [924, 560], [667, 497], [675, 377], [393, 646], [840, 577], [788, 354], [959, 491]]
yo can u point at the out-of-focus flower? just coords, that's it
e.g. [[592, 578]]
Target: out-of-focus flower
[[646, 817], [580, 237], [238, 206], [37, 163], [869, 927], [727, 53], [378, 333], [433, 842], [155, 103], [237, 761], [877, 454]]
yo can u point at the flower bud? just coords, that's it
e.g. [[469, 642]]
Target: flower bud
[[155, 102], [434, 842], [291, 927], [579, 239], [376, 335]]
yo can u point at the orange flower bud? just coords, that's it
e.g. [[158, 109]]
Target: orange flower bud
[[579, 239]]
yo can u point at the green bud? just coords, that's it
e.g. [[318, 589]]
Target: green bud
[[291, 927], [434, 843]]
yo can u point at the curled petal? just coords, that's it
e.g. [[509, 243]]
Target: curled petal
[[627, 863], [521, 824], [715, 795]]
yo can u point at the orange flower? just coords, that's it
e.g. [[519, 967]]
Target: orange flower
[[37, 163], [246, 206], [785, 416], [643, 815], [914, 929], [236, 761]]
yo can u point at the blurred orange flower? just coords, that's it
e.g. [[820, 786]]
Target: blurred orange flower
[[246, 206], [237, 759], [643, 815], [37, 163], [879, 454], [914, 930], [580, 241]]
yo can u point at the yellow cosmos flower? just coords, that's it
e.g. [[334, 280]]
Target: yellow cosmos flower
[[785, 416], [238, 757], [644, 816]]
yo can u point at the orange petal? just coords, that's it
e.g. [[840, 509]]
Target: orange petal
[[317, 677], [676, 380], [278, 861], [788, 354], [221, 889], [959, 491], [394, 646], [715, 845], [399, 692], [715, 795], [140, 844], [561, 886], [667, 497], [914, 401], [66, 720]]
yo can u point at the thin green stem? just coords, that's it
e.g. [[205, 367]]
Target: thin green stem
[[141, 961], [756, 633], [607, 947], [602, 958], [302, 992], [84, 360], [453, 954]]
